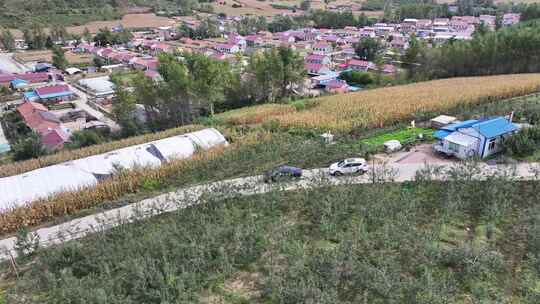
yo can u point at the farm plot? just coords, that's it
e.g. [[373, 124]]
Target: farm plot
[[386, 106]]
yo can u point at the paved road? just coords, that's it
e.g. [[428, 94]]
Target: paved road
[[185, 197], [8, 64], [82, 102]]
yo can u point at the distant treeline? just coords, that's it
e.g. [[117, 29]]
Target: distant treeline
[[509, 50]]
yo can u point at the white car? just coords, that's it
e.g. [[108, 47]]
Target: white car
[[349, 166]]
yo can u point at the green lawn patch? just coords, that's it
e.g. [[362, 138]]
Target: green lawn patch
[[405, 136]]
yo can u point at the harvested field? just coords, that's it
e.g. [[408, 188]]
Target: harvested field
[[32, 56], [129, 21]]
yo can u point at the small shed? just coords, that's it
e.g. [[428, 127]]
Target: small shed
[[442, 121], [392, 145]]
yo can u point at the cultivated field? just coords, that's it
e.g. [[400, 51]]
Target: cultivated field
[[129, 21], [265, 8], [32, 56], [385, 106]]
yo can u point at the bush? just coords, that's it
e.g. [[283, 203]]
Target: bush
[[523, 144], [357, 78], [299, 105], [85, 138], [30, 147]]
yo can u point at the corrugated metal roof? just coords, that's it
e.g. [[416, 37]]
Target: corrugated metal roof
[[463, 124], [441, 134], [461, 139], [495, 127]]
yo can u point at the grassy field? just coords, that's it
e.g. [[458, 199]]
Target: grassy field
[[405, 136], [420, 242], [386, 106]]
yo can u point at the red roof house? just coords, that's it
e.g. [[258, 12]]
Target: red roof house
[[359, 65], [55, 139], [45, 123]]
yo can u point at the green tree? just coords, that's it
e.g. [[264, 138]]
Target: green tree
[[103, 37], [35, 36], [29, 147], [124, 111], [368, 48], [84, 138], [58, 33], [209, 79], [7, 40], [87, 36], [305, 5], [59, 58], [275, 73]]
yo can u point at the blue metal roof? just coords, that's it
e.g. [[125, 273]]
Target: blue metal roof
[[55, 95], [16, 82], [441, 134], [495, 127], [30, 95], [458, 125]]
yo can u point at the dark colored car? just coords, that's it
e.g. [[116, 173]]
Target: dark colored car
[[282, 172]]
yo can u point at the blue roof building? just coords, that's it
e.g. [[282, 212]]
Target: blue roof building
[[480, 138], [447, 130]]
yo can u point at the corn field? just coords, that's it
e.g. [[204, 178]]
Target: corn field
[[67, 155], [256, 114], [384, 106]]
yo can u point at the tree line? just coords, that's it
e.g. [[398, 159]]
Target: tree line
[[509, 50], [195, 85]]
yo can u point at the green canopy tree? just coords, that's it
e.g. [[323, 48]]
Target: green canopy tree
[[368, 48], [59, 58], [7, 40]]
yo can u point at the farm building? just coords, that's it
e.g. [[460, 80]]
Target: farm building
[[98, 87], [69, 176], [54, 93], [471, 138]]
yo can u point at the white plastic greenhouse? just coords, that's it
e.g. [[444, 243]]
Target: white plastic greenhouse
[[41, 183]]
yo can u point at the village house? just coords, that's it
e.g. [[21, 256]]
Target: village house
[[143, 64], [54, 93], [316, 69], [470, 138], [408, 25], [228, 48], [488, 20], [22, 81], [510, 19], [322, 48], [336, 86], [38, 118], [367, 32], [359, 65], [254, 41], [317, 59], [158, 48]]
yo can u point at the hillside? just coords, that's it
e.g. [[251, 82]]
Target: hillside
[[14, 14]]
